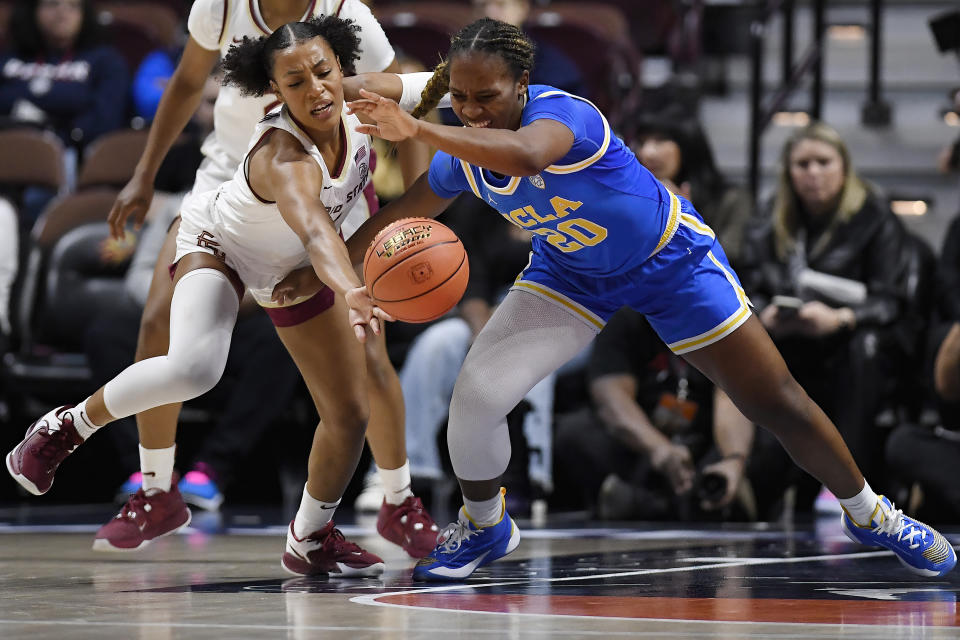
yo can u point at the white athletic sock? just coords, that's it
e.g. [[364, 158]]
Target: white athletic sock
[[861, 506], [485, 512], [81, 421], [312, 515], [156, 465], [396, 484]]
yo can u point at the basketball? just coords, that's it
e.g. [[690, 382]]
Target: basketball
[[416, 269]]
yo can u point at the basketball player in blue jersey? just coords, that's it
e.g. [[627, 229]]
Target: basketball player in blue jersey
[[607, 234]]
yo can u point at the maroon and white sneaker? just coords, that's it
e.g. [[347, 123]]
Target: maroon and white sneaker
[[49, 440], [409, 525], [145, 517], [326, 551]]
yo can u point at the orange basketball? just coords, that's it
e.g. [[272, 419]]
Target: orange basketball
[[416, 269]]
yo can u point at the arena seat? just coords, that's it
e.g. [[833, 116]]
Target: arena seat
[[68, 268], [38, 159], [160, 21], [422, 30], [111, 158]]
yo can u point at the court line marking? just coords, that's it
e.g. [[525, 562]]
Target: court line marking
[[403, 629], [372, 599]]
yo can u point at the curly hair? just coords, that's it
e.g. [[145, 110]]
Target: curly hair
[[249, 64], [26, 39], [486, 35]]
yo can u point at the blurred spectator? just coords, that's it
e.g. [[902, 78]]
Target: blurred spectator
[[938, 445], [660, 442], [550, 66], [823, 273], [58, 72], [948, 161], [677, 152], [150, 79]]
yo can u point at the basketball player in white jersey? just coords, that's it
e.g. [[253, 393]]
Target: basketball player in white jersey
[[214, 26], [284, 208]]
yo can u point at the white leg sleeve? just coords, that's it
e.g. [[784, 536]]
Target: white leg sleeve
[[527, 338], [202, 315]]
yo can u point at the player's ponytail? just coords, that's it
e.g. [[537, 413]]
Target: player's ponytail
[[436, 88], [244, 67]]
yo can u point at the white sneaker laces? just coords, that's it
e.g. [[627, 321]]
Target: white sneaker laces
[[454, 535], [894, 523]]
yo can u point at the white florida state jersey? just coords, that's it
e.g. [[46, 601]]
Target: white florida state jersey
[[255, 239], [217, 25]]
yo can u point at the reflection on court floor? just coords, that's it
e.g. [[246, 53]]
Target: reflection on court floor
[[638, 581]]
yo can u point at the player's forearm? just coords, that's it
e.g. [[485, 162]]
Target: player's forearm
[[387, 85], [179, 102], [414, 159], [624, 418], [330, 261], [499, 150]]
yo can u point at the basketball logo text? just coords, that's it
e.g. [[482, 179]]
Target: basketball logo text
[[400, 241]]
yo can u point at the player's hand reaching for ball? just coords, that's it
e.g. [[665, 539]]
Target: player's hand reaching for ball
[[133, 200], [364, 312], [392, 122]]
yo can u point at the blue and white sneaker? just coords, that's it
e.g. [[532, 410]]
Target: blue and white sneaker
[[464, 547], [919, 547], [198, 488]]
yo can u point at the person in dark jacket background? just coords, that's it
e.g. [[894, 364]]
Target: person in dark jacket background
[[58, 72], [823, 273]]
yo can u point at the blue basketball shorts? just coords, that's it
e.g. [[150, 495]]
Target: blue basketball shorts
[[687, 291]]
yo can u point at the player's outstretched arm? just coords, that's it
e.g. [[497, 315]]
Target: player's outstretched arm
[[283, 172], [524, 152], [180, 100]]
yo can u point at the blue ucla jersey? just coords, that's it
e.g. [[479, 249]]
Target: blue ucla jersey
[[597, 211]]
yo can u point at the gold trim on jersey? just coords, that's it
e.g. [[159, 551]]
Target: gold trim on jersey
[[723, 329], [543, 291], [505, 190], [673, 223], [470, 179], [696, 225], [583, 164]]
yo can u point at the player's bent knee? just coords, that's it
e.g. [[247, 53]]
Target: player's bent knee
[[199, 378], [349, 415]]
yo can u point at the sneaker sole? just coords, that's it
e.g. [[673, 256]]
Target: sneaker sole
[[102, 544], [21, 479], [927, 573], [373, 571]]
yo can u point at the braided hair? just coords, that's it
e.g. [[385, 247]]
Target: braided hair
[[249, 64], [486, 35]]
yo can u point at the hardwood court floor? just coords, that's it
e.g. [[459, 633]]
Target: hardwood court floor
[[647, 581]]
